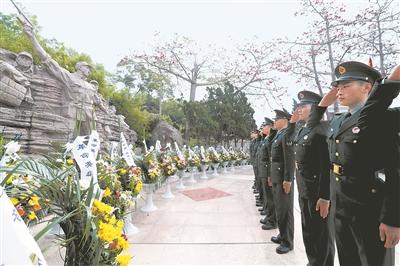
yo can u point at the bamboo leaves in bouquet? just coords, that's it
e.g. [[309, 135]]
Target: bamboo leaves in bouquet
[[90, 237]]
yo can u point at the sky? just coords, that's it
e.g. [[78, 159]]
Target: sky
[[109, 30]]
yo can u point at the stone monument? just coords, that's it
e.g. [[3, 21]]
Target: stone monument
[[43, 104]]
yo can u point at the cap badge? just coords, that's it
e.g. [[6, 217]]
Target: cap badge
[[301, 95], [342, 70], [355, 130]]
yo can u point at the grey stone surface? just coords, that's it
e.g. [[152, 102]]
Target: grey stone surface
[[165, 133], [35, 104]]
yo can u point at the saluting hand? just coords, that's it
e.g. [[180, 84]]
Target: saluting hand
[[395, 74], [323, 207], [329, 98], [286, 186], [269, 181], [295, 116], [389, 234]]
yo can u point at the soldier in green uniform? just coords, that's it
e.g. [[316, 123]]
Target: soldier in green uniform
[[269, 222], [362, 219], [253, 145], [312, 176], [259, 197], [282, 172]]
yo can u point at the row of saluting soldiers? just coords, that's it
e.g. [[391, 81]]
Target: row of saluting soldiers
[[337, 165]]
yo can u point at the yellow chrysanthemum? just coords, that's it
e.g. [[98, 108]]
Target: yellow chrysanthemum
[[120, 225], [110, 230], [107, 192], [14, 201], [34, 201], [101, 208], [138, 186], [123, 171], [122, 243], [32, 216], [70, 162], [107, 232], [123, 260]]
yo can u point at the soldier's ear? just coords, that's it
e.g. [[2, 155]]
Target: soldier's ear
[[368, 87]]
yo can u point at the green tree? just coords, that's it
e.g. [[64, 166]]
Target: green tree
[[232, 113], [130, 106], [174, 109]]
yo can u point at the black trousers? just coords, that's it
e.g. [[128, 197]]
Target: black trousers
[[259, 184], [256, 178], [284, 213], [318, 234], [268, 202], [358, 242]]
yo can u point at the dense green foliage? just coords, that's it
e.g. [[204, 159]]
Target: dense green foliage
[[226, 115]]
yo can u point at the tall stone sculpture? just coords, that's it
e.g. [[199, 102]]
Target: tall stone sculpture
[[14, 78], [42, 104], [79, 93]]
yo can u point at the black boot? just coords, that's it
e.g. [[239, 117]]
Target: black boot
[[276, 239], [282, 249], [268, 226]]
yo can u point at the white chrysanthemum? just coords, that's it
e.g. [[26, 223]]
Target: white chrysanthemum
[[12, 147]]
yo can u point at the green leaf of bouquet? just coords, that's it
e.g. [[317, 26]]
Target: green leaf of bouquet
[[52, 224]]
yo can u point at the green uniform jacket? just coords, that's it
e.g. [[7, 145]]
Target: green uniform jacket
[[252, 147], [282, 156], [359, 148], [380, 123], [264, 155], [312, 161]]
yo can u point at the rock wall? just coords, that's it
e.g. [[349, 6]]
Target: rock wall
[[37, 111], [165, 133]]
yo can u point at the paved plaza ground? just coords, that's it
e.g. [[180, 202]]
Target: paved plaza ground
[[212, 222]]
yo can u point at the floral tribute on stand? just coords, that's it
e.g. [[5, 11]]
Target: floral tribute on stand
[[226, 157], [63, 190], [215, 160], [193, 162], [205, 162], [181, 165]]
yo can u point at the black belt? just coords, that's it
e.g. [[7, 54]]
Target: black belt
[[339, 170]]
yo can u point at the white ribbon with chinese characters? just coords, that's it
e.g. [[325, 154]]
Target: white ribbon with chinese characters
[[85, 160], [94, 143], [126, 151], [213, 151], [178, 152], [158, 146], [202, 152], [114, 150], [17, 246]]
